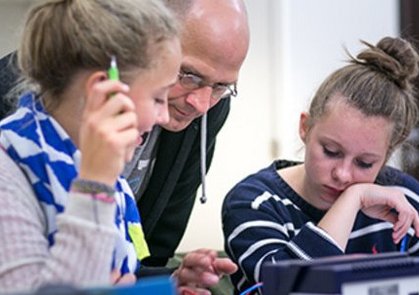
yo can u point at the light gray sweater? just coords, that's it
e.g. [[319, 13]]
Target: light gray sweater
[[82, 252]]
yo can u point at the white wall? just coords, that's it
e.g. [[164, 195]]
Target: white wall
[[294, 45], [11, 15]]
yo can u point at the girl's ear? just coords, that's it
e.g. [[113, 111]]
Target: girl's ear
[[304, 128], [94, 78]]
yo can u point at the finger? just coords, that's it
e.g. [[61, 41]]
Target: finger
[[126, 279], [193, 291], [101, 91], [416, 223], [203, 259], [115, 274], [128, 138], [398, 236], [401, 227], [116, 133], [224, 266], [205, 251], [120, 122], [186, 276], [390, 216], [121, 103], [401, 221], [197, 277]]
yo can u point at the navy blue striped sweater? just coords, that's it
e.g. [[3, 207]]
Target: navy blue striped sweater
[[264, 219]]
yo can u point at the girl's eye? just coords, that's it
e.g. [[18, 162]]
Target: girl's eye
[[159, 100], [330, 153], [364, 165]]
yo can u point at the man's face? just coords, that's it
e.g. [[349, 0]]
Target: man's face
[[211, 52], [185, 104]]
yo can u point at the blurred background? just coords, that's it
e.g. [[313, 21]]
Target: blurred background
[[294, 45]]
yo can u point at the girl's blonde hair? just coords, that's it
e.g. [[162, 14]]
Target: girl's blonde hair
[[61, 37], [378, 82]]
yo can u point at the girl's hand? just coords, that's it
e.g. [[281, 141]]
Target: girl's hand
[[126, 279], [375, 201], [389, 204], [108, 133]]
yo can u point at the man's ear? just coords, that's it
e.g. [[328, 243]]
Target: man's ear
[[94, 78], [304, 127]]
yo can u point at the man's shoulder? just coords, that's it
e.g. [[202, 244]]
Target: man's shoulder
[[8, 73], [8, 79]]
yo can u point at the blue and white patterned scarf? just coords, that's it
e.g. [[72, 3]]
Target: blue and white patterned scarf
[[50, 160]]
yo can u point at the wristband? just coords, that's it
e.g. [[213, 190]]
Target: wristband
[[99, 190]]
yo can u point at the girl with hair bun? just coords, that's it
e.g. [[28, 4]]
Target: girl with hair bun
[[66, 216], [343, 198]]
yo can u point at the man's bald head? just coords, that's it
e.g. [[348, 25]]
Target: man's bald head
[[215, 41]]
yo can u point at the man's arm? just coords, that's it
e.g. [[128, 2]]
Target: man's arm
[[164, 234]]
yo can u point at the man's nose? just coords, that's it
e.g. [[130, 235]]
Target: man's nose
[[200, 99]]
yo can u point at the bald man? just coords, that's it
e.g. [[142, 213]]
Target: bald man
[[165, 172]]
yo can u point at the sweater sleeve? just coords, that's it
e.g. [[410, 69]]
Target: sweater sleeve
[[84, 242], [410, 187], [260, 226]]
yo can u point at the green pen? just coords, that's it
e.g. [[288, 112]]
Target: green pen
[[113, 72]]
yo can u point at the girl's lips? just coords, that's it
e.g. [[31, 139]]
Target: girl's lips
[[333, 191]]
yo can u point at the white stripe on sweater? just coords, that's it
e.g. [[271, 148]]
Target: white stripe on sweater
[[256, 223], [370, 229], [259, 265]]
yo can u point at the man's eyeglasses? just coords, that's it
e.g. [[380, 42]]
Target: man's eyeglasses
[[191, 82]]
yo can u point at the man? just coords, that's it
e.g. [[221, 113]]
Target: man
[[165, 171], [214, 39]]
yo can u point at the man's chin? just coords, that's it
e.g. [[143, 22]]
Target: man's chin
[[176, 126]]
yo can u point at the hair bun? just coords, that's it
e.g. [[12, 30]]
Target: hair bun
[[395, 57]]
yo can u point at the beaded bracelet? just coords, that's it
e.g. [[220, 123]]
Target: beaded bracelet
[[103, 198]]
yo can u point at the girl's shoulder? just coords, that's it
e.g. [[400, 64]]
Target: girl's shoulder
[[391, 176]]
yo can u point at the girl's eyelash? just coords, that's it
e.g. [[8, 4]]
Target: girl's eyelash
[[329, 152], [363, 164], [333, 154]]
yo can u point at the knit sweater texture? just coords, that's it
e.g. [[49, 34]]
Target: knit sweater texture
[[264, 219], [84, 243]]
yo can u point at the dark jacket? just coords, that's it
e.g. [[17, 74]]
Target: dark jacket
[[8, 77], [168, 200], [167, 203]]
